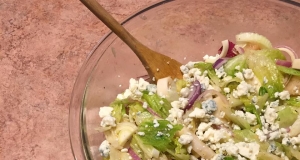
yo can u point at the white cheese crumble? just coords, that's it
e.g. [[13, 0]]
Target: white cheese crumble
[[239, 75], [145, 105], [185, 139], [262, 137], [220, 72], [242, 89], [226, 90], [249, 150], [105, 111], [209, 106], [104, 148], [124, 150], [284, 95], [211, 59], [141, 133], [197, 113], [108, 121], [248, 73], [156, 124]]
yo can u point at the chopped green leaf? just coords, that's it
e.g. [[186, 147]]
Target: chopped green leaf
[[158, 135], [229, 158], [251, 108], [262, 91], [180, 83], [119, 108], [160, 105], [178, 156], [210, 71]]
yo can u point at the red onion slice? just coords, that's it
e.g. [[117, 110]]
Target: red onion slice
[[289, 51], [194, 95], [227, 49], [238, 49], [284, 63], [220, 62], [133, 155], [152, 112]]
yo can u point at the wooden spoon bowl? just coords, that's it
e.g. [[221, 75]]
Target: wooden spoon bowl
[[157, 65]]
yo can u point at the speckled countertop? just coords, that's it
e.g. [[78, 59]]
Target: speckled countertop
[[42, 47]]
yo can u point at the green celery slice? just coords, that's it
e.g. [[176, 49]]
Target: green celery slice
[[262, 67], [287, 117], [290, 71]]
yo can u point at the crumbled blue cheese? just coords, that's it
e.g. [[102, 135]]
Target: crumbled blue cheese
[[230, 148], [105, 111], [218, 157], [239, 75], [141, 133], [145, 105], [211, 59], [185, 139], [185, 92], [284, 95], [270, 115], [226, 90], [155, 122], [213, 135], [248, 73], [124, 150], [254, 99], [220, 72], [197, 113], [175, 115], [242, 89], [108, 121], [274, 135], [152, 88], [262, 137], [170, 126], [237, 68], [184, 69], [248, 150], [209, 106], [265, 80], [251, 118], [142, 84], [104, 148], [159, 133]]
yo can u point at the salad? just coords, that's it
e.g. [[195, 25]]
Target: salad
[[240, 104]]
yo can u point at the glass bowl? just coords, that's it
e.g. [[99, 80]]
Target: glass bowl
[[183, 29]]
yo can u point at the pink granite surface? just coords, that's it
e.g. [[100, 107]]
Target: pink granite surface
[[42, 46]]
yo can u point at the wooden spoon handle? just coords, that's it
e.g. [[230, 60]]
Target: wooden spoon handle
[[117, 28]]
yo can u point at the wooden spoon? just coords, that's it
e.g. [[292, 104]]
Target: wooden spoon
[[156, 64]]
